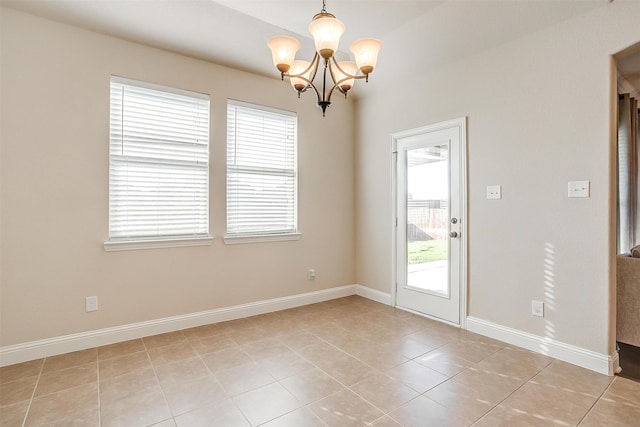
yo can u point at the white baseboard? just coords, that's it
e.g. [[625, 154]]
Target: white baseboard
[[598, 362], [18, 353], [374, 294]]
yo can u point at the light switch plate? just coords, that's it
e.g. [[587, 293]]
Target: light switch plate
[[494, 192], [537, 308], [579, 188], [91, 304]]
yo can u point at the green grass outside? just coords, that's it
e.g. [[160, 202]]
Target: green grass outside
[[426, 251]]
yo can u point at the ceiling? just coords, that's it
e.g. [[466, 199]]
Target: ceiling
[[419, 34]]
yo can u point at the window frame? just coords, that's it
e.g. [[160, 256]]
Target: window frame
[[267, 236], [166, 240]]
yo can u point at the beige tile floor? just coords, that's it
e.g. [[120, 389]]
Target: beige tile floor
[[346, 362]]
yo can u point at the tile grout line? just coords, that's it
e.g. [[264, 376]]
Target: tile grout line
[[511, 394], [33, 393], [316, 367], [278, 381], [597, 400], [166, 401], [345, 387], [98, 384], [339, 347], [218, 381], [384, 413]]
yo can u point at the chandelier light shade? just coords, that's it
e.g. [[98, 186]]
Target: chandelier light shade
[[350, 69], [326, 31], [366, 53], [303, 69], [283, 51]]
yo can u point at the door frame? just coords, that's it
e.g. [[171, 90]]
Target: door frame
[[461, 124]]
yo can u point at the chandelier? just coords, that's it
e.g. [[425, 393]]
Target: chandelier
[[326, 31]]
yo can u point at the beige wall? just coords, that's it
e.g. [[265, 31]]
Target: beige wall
[[54, 177], [539, 116]]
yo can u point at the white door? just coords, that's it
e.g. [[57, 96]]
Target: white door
[[430, 223]]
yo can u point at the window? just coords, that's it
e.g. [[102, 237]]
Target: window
[[261, 174], [158, 165]]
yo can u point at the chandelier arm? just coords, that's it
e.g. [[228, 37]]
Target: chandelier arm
[[334, 88], [316, 91], [337, 85], [350, 76], [310, 83], [333, 76], [314, 64]]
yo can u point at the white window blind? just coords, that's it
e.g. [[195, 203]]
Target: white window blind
[[158, 162], [261, 170]]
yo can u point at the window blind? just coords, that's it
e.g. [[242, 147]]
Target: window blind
[[261, 170], [158, 162]]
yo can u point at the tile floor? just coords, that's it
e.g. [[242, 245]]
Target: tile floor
[[346, 362]]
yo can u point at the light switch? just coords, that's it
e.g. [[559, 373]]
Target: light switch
[[537, 308], [494, 192], [579, 188]]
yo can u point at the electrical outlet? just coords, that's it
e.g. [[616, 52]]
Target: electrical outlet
[[311, 274], [494, 192], [537, 308], [579, 188], [91, 304]]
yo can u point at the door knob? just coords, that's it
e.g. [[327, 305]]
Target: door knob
[[454, 220], [453, 234]]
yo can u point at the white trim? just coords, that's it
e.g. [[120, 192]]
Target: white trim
[[12, 354], [128, 245], [159, 87], [18, 353], [603, 363], [245, 104], [259, 238], [464, 229], [461, 124], [374, 294]]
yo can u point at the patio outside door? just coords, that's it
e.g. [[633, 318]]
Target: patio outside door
[[430, 232]]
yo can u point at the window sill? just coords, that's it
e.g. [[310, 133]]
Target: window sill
[[128, 245], [261, 238]]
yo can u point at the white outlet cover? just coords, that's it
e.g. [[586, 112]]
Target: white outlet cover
[[579, 189], [494, 192]]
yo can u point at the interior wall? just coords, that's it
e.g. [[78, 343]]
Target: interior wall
[[54, 194], [538, 112]]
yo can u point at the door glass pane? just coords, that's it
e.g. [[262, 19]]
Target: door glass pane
[[428, 219]]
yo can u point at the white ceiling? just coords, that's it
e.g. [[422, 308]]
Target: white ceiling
[[416, 34]]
